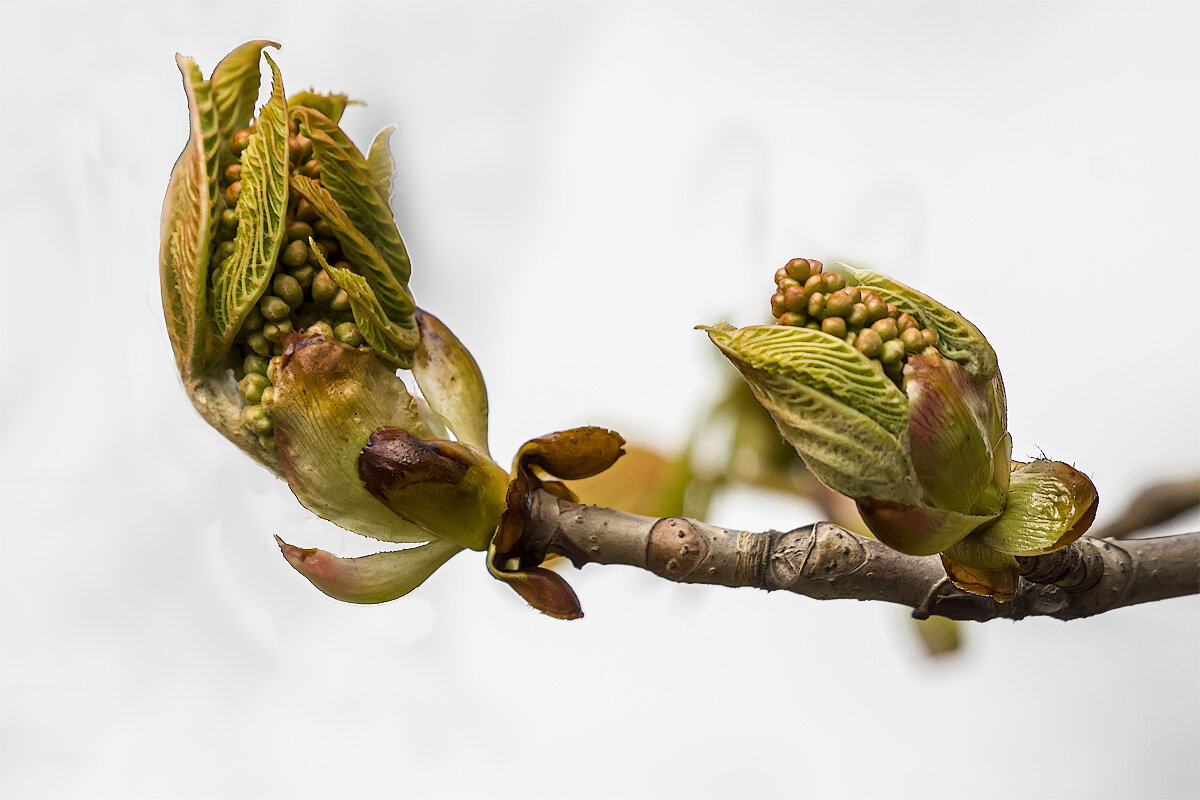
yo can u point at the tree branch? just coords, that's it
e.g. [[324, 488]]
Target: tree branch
[[827, 562]]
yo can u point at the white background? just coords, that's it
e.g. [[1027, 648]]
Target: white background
[[579, 185]]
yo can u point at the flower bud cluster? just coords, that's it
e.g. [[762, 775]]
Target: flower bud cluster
[[302, 295], [807, 296]]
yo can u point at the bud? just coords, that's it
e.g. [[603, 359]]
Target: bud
[[911, 422], [241, 270]]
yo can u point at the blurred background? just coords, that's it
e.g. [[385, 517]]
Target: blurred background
[[579, 184]]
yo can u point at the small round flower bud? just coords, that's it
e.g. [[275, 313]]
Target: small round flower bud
[[931, 337], [224, 250], [320, 328], [233, 193], [288, 289], [813, 284], [251, 387], [892, 311], [777, 305], [254, 320], [833, 282], [834, 326], [233, 173], [876, 308], [839, 303], [886, 328], [795, 299], [906, 321], [323, 229], [323, 288], [816, 304], [299, 148], [305, 212], [268, 395], [793, 318], [855, 294], [278, 331], [857, 316], [297, 230], [348, 333], [295, 254], [229, 221], [340, 301], [239, 141], [815, 267], [274, 308], [869, 343], [913, 341], [255, 418], [255, 363], [303, 276], [892, 352], [311, 169], [258, 343], [781, 274], [798, 269]]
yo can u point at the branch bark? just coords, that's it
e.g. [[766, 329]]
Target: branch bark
[[827, 562]]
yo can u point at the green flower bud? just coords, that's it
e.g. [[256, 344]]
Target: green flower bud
[[297, 230], [259, 343], [274, 308], [908, 418], [278, 331], [296, 253], [256, 419], [323, 288], [348, 333], [303, 276], [255, 364], [288, 289], [251, 387]]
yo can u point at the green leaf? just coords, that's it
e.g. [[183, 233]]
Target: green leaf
[[394, 296], [260, 218], [379, 164], [392, 342], [375, 578], [821, 362], [331, 105], [958, 339], [344, 172], [849, 451], [188, 221], [236, 81]]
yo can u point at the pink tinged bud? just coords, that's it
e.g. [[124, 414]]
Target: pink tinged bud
[[955, 436], [917, 530], [375, 578]]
